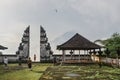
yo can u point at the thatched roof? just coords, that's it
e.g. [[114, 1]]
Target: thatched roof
[[78, 42]]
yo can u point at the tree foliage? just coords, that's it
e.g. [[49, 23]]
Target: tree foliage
[[112, 43]]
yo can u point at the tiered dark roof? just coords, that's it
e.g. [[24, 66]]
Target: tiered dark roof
[[78, 42]]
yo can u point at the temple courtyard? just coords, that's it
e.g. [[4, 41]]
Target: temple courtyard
[[44, 71]]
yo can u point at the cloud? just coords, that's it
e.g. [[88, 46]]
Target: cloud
[[93, 19], [102, 16], [99, 9]]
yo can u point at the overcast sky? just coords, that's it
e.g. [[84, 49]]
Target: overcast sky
[[94, 19]]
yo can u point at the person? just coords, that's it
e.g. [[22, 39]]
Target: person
[[6, 61], [20, 61], [34, 57], [54, 60], [29, 63]]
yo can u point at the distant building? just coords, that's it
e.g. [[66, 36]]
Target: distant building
[[11, 57], [45, 48]]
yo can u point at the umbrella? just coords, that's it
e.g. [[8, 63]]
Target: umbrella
[[2, 47]]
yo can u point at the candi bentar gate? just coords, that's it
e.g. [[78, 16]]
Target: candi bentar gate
[[23, 51]]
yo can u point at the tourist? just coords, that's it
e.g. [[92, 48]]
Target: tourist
[[34, 57], [20, 61], [6, 61], [54, 60], [29, 63]]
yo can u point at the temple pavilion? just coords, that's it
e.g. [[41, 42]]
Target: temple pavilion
[[81, 46]]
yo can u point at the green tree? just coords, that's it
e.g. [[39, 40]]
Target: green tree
[[112, 43]]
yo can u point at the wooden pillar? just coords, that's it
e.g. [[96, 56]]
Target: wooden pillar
[[84, 55], [87, 56], [79, 55], [63, 53], [90, 53], [73, 54]]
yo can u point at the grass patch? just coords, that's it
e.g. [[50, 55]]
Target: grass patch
[[91, 72], [14, 72], [87, 72]]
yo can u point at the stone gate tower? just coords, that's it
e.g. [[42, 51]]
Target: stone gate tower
[[23, 49], [45, 48]]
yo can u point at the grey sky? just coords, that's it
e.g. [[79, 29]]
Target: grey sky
[[94, 19]]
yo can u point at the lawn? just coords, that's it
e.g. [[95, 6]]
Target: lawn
[[14, 72]]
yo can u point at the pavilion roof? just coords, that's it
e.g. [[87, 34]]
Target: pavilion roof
[[2, 47], [78, 42]]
